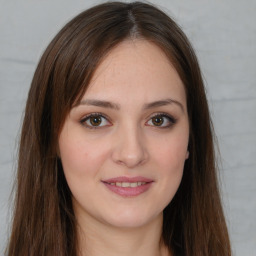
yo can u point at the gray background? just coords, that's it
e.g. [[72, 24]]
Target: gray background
[[224, 36]]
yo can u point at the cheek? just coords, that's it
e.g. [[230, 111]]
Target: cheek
[[171, 153], [71, 154], [169, 159], [79, 156]]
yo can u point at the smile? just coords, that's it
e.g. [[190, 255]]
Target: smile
[[128, 186]]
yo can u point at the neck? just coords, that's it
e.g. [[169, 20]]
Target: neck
[[96, 238]]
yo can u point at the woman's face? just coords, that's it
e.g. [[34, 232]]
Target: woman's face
[[124, 146]]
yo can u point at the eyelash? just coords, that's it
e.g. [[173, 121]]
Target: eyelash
[[170, 118], [83, 121]]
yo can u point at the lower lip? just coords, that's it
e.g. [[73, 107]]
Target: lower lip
[[128, 192]]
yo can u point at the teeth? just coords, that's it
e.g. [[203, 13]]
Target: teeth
[[128, 184], [134, 184], [125, 184]]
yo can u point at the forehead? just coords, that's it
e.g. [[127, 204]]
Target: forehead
[[136, 69]]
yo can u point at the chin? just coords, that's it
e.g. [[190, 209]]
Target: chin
[[129, 219]]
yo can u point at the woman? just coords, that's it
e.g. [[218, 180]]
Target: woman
[[116, 153]]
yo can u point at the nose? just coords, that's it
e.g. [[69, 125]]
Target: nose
[[130, 148]]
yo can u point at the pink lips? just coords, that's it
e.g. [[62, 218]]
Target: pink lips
[[131, 186]]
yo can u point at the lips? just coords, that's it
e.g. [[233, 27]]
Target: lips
[[128, 186]]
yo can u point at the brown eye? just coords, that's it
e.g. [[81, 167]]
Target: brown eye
[[157, 120], [95, 120], [161, 121]]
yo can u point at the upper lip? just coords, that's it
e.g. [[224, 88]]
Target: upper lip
[[127, 179]]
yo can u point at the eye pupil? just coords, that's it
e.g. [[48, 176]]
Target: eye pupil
[[95, 120], [157, 121]]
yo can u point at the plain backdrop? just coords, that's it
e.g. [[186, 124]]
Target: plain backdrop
[[223, 33]]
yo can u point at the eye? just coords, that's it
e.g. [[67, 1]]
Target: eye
[[95, 120], [161, 121]]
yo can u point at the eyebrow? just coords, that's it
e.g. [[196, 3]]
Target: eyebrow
[[164, 102], [111, 105], [100, 103]]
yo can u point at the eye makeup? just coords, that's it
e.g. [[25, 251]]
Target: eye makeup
[[95, 121], [161, 120], [100, 120]]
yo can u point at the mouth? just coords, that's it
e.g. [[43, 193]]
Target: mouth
[[128, 186]]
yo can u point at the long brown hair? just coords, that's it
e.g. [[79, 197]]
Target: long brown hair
[[43, 220]]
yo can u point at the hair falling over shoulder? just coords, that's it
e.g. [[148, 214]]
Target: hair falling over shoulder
[[43, 220]]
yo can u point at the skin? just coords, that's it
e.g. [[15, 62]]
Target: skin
[[126, 143]]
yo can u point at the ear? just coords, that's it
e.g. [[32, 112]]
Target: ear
[[187, 155]]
